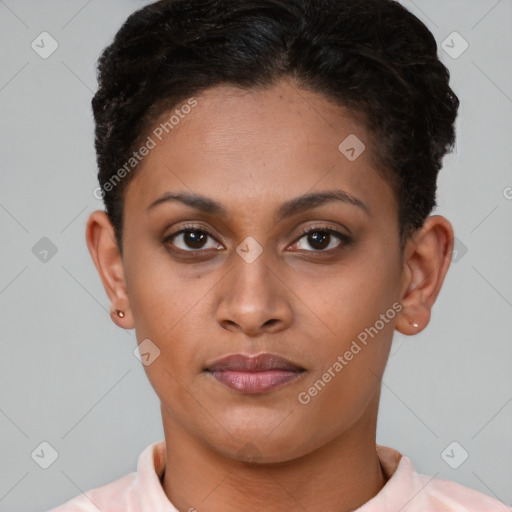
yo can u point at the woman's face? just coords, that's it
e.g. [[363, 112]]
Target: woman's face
[[244, 280]]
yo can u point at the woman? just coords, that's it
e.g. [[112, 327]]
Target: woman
[[268, 170]]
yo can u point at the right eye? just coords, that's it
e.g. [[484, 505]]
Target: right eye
[[190, 239]]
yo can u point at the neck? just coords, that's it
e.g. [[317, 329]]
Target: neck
[[339, 476]]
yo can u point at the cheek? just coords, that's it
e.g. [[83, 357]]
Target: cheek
[[352, 297], [162, 309], [155, 291], [350, 366], [356, 313]]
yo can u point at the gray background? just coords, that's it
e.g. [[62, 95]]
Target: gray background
[[68, 374]]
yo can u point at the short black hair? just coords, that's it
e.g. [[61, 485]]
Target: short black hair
[[373, 57]]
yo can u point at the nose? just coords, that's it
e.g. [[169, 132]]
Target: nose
[[254, 299]]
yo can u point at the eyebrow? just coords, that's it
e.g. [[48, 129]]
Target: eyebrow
[[292, 207]]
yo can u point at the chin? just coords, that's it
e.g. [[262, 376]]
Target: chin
[[260, 444]]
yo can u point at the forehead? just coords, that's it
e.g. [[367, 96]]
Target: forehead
[[258, 145]]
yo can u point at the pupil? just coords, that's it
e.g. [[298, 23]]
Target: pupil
[[194, 239], [319, 238]]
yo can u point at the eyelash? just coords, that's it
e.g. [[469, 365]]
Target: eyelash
[[344, 239]]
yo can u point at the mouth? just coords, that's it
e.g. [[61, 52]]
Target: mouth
[[261, 373]]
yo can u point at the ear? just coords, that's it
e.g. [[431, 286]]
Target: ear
[[100, 237], [427, 257]]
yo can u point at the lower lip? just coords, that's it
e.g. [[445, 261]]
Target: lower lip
[[254, 382]]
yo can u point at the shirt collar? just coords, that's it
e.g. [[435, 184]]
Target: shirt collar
[[152, 498]]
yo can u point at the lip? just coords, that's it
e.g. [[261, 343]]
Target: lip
[[254, 374]]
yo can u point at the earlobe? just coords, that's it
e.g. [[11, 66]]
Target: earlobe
[[427, 259], [102, 245]]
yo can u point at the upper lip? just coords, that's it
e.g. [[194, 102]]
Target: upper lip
[[253, 363]]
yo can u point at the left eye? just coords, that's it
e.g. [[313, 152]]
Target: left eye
[[321, 239]]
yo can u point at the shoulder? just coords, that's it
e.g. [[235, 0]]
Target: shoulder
[[134, 492], [409, 491], [117, 496], [448, 495]]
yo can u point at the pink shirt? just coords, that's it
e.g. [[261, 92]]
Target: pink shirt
[[405, 491]]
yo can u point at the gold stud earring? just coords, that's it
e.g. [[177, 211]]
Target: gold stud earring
[[120, 313]]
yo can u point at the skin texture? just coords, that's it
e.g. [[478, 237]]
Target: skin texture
[[252, 151]]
